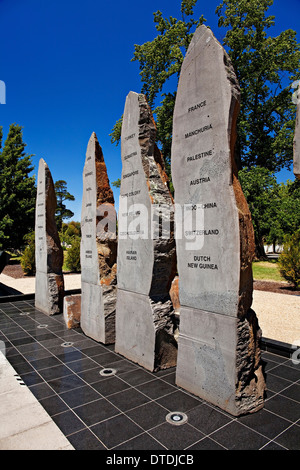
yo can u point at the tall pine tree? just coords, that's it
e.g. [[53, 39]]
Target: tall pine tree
[[17, 190]]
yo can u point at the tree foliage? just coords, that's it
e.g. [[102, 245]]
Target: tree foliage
[[289, 260], [62, 195], [266, 67], [17, 190], [274, 207], [159, 61]]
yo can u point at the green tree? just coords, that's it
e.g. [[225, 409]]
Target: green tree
[[289, 260], [17, 190], [266, 67], [160, 60], [62, 195], [275, 208]]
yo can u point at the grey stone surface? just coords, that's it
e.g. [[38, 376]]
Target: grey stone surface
[[49, 282], [146, 262], [297, 137], [214, 266], [98, 254]]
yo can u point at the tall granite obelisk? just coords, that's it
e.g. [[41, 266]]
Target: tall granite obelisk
[[49, 281], [218, 346], [98, 253], [145, 319]]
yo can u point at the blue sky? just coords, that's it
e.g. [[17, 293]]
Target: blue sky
[[67, 69]]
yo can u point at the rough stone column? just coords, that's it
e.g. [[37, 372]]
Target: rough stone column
[[145, 320], [98, 251], [49, 281], [218, 346], [297, 137]]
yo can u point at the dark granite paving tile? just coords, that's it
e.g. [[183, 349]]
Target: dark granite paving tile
[[66, 383], [91, 375], [141, 442], [67, 355], [207, 419], [68, 422], [286, 372], [53, 405], [93, 350], [170, 378], [266, 423], [82, 364], [85, 440], [107, 358], [293, 392], [80, 396], [284, 407], [32, 378], [176, 437], [156, 388], [45, 363], [276, 383], [20, 341], [206, 444], [179, 401], [23, 368], [115, 431], [128, 399], [137, 376], [123, 366], [41, 390], [96, 411], [110, 385], [56, 371], [290, 438], [235, 436], [148, 416], [273, 446], [36, 354]]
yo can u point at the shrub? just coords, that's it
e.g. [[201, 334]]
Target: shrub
[[28, 258], [73, 256], [289, 260]]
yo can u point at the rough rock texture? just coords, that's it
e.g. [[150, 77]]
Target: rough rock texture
[[146, 262], [218, 348], [72, 310], [297, 138], [49, 289], [98, 249]]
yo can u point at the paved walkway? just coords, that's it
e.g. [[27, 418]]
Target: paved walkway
[[25, 424], [278, 314]]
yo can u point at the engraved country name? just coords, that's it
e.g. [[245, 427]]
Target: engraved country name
[[197, 106], [133, 154], [200, 180], [198, 131], [198, 156], [132, 173]]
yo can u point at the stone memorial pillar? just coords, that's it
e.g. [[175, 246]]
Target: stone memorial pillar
[[49, 281], [218, 346], [297, 135], [145, 319], [98, 251]]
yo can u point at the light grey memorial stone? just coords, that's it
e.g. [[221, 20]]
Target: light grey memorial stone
[[297, 135], [98, 251], [218, 346], [49, 281], [145, 320]]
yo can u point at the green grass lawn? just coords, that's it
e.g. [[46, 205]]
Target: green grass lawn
[[266, 271]]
